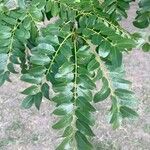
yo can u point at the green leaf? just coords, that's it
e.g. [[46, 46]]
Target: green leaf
[[4, 44], [27, 24], [38, 100], [82, 70], [123, 91], [32, 90], [97, 39], [63, 109], [83, 21], [128, 112], [62, 98], [84, 104], [116, 118], [67, 67], [36, 13], [85, 116], [52, 39], [55, 9], [82, 142], [146, 47], [45, 90], [68, 131], [116, 58], [44, 48], [85, 81], [40, 59], [9, 20], [141, 23], [83, 51], [64, 78], [93, 64], [21, 4], [100, 96], [6, 76], [3, 61], [48, 6], [65, 144], [37, 71], [11, 68], [28, 102], [33, 32], [124, 95], [86, 93], [40, 4], [84, 128], [4, 28], [2, 79], [104, 49], [31, 79], [63, 122], [22, 34], [52, 29], [104, 92], [125, 43], [5, 35]]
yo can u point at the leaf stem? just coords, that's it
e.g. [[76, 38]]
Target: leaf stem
[[56, 53], [102, 66], [75, 93]]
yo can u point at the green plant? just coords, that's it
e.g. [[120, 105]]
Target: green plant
[[142, 21], [83, 47]]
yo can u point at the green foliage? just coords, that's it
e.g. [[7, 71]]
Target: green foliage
[[69, 58], [142, 21], [143, 14], [116, 8]]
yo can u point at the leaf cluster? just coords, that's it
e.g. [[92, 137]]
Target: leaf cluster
[[65, 61], [142, 21], [117, 9]]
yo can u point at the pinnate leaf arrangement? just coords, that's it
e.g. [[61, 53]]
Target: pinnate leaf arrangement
[[66, 60]]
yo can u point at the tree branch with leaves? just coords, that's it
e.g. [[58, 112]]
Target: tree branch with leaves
[[64, 61]]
